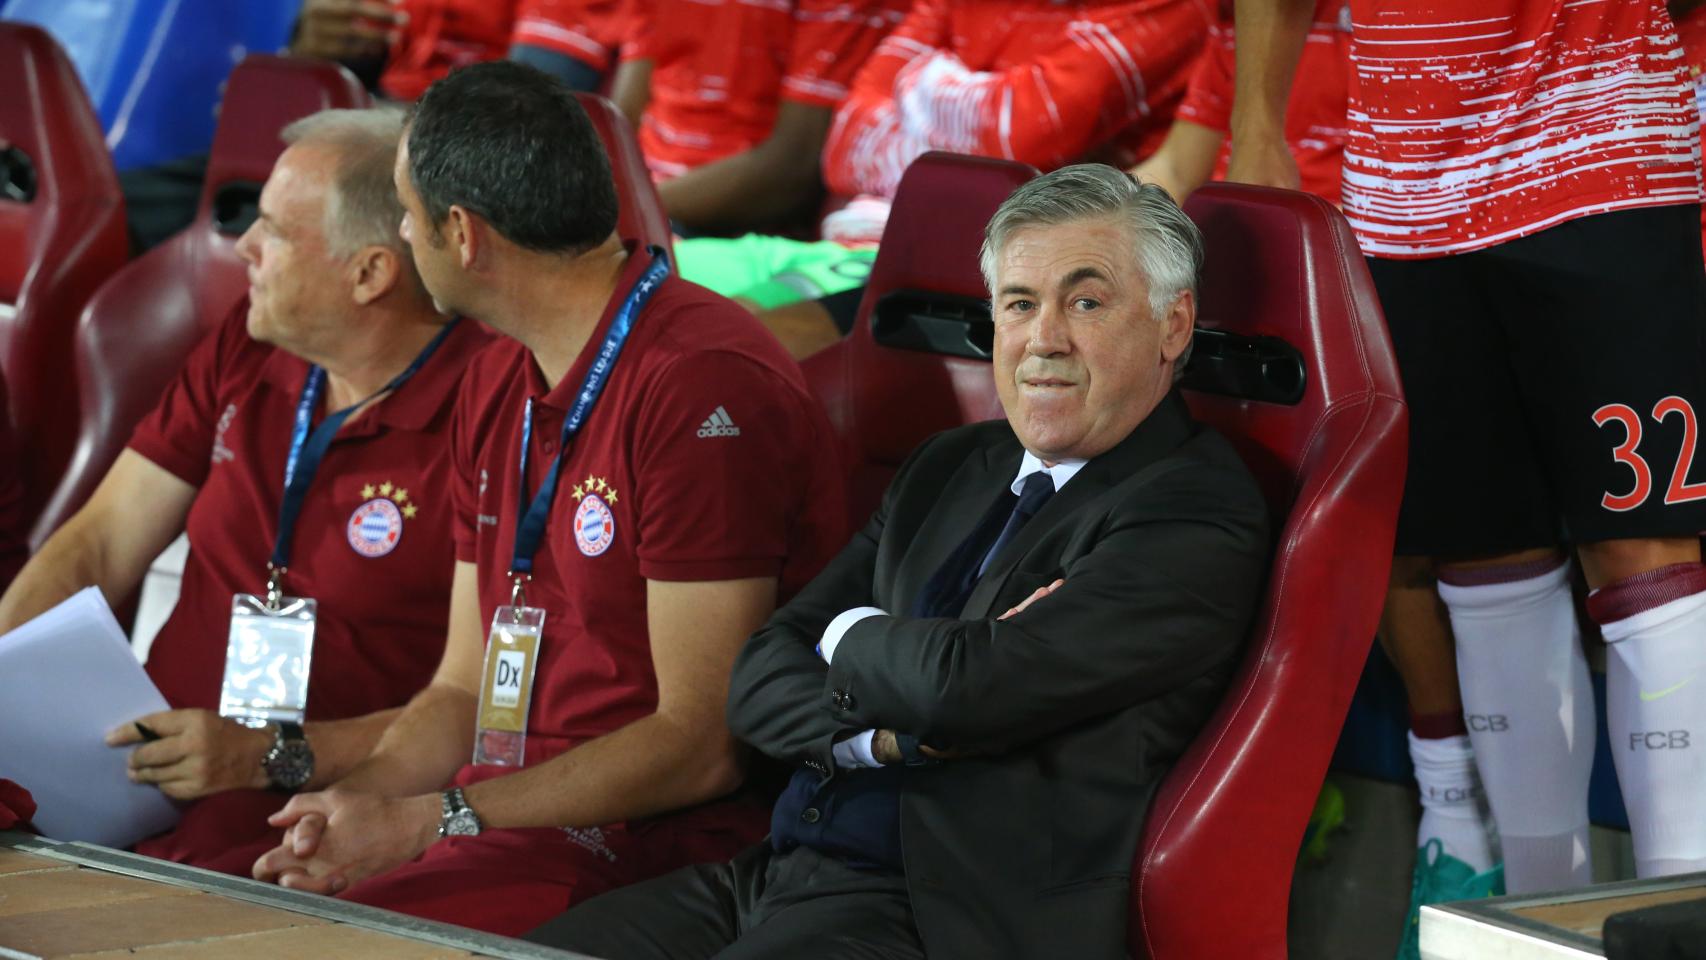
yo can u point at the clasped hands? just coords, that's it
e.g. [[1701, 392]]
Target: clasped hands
[[339, 837]]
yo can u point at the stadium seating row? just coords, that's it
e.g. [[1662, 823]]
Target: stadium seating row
[[1293, 365]]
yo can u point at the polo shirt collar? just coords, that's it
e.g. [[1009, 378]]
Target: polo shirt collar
[[562, 396], [412, 407]]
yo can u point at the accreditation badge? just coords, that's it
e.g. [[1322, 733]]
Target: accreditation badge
[[506, 685], [267, 657]]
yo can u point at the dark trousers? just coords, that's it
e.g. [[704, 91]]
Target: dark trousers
[[761, 904]]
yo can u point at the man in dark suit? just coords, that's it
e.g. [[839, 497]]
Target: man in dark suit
[[981, 693]]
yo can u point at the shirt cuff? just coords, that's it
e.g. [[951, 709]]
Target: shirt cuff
[[838, 628], [855, 752]]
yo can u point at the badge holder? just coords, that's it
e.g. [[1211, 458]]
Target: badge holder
[[506, 684], [268, 655]]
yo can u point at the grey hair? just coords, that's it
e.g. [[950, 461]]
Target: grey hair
[[1169, 246], [362, 209]]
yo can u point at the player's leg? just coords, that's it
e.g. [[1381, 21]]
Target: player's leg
[[1529, 707], [1416, 635], [1620, 384], [1428, 308], [1475, 489]]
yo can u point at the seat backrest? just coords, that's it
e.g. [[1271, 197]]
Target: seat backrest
[[907, 370], [138, 328], [61, 235], [641, 216], [1213, 872]]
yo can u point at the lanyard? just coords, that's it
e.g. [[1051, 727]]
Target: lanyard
[[307, 448], [531, 517]]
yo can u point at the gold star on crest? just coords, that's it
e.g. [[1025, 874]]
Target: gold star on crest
[[578, 492], [601, 485], [400, 495], [385, 489], [591, 481], [410, 511], [367, 491], [612, 497]]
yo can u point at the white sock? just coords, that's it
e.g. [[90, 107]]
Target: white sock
[[1529, 708], [1451, 799], [1656, 706]]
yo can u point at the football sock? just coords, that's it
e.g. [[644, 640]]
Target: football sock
[[1655, 631], [1529, 709], [1451, 797]]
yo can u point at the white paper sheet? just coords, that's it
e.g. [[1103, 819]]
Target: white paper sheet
[[66, 678]]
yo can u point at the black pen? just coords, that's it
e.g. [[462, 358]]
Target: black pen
[[147, 734]]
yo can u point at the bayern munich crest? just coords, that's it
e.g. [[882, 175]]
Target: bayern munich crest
[[595, 524], [376, 527]]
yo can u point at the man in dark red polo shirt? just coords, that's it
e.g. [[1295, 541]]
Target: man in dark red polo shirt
[[331, 289], [698, 485]]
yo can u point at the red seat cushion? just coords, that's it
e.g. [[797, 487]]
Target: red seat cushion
[[885, 400], [1213, 874], [640, 213], [54, 249]]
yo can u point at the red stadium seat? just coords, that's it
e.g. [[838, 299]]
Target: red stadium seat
[[888, 385], [1285, 280], [61, 235], [641, 215], [1213, 874], [137, 330]]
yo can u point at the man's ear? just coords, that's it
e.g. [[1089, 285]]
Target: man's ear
[[377, 270], [468, 234], [1178, 325]]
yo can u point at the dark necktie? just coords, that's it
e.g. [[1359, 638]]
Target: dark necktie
[[947, 590]]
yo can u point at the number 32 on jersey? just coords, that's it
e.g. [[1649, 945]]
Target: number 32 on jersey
[[1679, 490]]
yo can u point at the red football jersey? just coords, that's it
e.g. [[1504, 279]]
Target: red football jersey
[[1315, 118], [1692, 29], [442, 35], [1473, 122], [721, 68], [1039, 82]]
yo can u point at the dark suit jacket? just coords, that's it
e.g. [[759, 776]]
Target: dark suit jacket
[[1071, 711]]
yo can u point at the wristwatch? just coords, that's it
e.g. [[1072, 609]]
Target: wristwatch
[[290, 762], [459, 819]]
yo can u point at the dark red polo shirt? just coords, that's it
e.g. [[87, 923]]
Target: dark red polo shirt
[[14, 520], [373, 542], [706, 458]]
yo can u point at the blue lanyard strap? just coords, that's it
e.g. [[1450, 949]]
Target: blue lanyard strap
[[308, 448], [531, 517]]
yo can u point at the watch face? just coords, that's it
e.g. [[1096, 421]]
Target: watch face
[[291, 764], [463, 823]]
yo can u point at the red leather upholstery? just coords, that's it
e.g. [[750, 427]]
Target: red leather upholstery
[[884, 401], [640, 212], [55, 250], [1213, 874], [136, 331]]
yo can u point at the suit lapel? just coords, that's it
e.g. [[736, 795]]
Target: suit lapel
[[1167, 426], [971, 489]]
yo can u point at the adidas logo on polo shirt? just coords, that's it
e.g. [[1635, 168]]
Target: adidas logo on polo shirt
[[718, 424]]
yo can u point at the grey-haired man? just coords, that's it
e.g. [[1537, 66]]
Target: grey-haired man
[[982, 691]]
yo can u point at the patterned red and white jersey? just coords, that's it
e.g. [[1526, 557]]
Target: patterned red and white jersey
[[1473, 122]]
